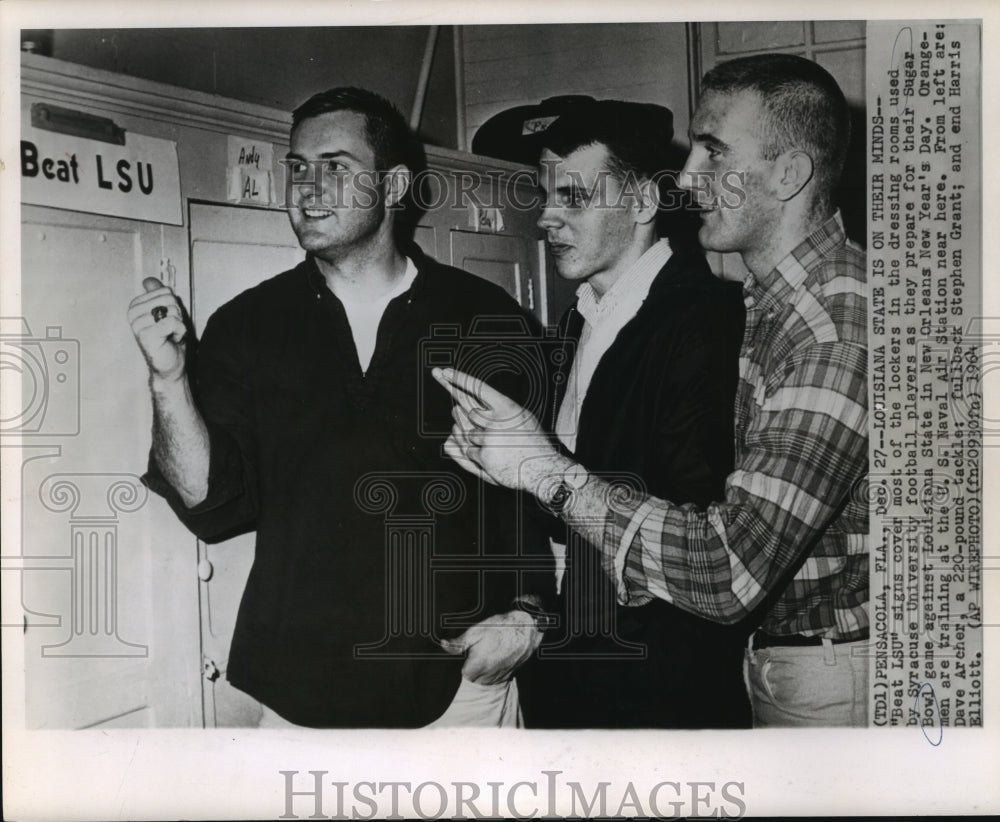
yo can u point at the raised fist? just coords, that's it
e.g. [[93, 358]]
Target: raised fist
[[158, 325]]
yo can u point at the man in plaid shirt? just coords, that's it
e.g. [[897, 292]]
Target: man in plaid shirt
[[788, 545]]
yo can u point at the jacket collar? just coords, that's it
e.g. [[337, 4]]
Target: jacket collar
[[685, 266]]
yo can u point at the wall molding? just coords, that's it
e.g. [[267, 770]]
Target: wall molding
[[73, 84], [85, 87]]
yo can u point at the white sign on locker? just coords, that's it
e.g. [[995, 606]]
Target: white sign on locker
[[139, 180], [248, 173]]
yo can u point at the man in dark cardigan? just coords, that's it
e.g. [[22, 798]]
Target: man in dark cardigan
[[648, 397]]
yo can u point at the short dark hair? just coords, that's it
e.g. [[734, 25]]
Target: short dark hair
[[803, 108], [388, 134], [636, 135]]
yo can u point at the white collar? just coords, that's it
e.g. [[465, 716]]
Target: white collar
[[628, 292]]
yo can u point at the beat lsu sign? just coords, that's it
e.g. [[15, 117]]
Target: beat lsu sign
[[139, 180]]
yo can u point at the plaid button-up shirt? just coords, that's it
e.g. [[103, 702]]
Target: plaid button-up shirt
[[791, 536]]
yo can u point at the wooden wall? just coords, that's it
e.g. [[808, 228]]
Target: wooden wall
[[511, 65]]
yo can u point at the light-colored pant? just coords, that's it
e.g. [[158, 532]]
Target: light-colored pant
[[474, 705], [482, 706], [271, 720], [813, 686]]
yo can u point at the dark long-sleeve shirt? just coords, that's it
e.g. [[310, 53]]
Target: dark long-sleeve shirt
[[371, 544]]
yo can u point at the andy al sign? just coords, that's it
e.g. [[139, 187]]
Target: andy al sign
[[139, 180]]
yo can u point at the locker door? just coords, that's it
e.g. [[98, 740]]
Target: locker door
[[87, 605], [501, 259], [232, 249]]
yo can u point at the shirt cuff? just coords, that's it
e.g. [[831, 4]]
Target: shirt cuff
[[225, 478], [626, 515]]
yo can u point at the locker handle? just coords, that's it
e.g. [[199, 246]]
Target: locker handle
[[210, 670], [205, 570]]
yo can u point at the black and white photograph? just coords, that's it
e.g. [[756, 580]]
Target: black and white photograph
[[420, 409]]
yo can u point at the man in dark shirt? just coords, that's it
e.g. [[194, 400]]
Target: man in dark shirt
[[307, 413]]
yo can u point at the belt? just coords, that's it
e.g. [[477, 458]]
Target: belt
[[762, 639]]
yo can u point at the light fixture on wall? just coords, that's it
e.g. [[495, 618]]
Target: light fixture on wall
[[37, 41], [76, 123]]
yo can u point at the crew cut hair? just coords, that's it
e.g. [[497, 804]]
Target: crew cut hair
[[803, 107], [388, 134]]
